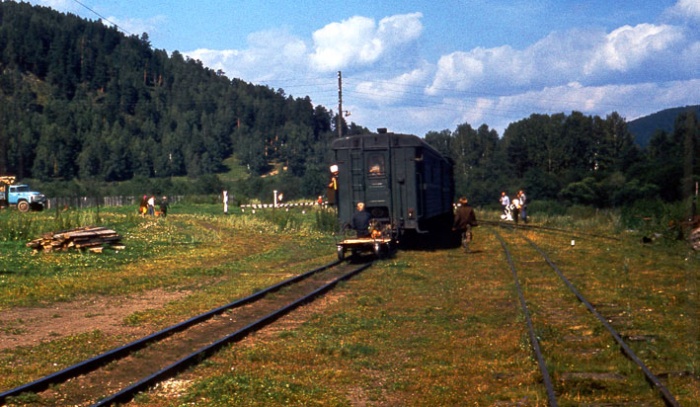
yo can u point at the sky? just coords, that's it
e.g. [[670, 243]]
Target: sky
[[415, 66]]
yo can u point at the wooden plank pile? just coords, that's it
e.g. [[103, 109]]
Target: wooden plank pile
[[90, 238]]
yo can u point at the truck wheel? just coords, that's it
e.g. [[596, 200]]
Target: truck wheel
[[23, 206]]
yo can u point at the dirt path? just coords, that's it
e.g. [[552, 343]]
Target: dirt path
[[31, 326]]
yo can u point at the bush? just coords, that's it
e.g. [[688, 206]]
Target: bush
[[654, 216], [554, 208]]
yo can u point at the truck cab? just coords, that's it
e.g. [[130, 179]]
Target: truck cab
[[20, 195]]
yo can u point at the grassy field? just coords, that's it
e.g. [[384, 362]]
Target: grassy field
[[432, 327]]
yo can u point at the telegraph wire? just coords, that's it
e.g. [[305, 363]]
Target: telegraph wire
[[411, 96], [474, 94], [103, 17]]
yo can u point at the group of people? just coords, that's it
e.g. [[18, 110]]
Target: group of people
[[148, 206], [465, 218], [515, 209]]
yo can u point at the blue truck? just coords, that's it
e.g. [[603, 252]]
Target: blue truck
[[20, 195]]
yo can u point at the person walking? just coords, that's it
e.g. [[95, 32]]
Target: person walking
[[523, 205], [464, 220], [164, 207], [152, 205], [515, 210], [360, 221], [505, 203], [143, 206]]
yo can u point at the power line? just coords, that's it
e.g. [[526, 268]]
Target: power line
[[472, 94], [414, 96], [103, 17]]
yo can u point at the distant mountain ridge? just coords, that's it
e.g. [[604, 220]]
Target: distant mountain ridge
[[644, 127]]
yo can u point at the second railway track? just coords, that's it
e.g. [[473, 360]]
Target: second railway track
[[118, 375], [575, 347]]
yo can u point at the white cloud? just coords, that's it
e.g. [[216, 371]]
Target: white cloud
[[591, 57], [628, 47], [214, 59], [631, 101], [688, 9], [458, 71], [394, 90], [136, 26], [358, 41], [271, 54], [399, 29]]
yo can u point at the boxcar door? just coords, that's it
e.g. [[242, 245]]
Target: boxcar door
[[378, 189], [357, 177]]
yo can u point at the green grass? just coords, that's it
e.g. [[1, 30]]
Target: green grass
[[236, 171], [427, 327], [193, 237], [434, 328]]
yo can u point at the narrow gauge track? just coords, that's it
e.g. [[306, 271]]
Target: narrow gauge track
[[169, 351], [571, 315], [527, 226]]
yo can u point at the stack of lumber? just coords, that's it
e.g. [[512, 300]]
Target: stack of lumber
[[90, 238]]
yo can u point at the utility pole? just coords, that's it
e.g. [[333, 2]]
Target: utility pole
[[340, 104]]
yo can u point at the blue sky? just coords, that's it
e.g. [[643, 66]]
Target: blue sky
[[414, 66]]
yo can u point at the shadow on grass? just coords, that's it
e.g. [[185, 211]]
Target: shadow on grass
[[433, 241]]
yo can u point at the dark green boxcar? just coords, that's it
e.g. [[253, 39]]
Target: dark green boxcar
[[402, 180]]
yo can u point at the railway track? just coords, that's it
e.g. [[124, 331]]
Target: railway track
[[551, 304], [529, 226], [118, 375]]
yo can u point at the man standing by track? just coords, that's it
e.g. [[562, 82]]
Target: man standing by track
[[332, 191], [523, 205], [464, 220]]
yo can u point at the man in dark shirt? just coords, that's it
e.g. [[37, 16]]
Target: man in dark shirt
[[464, 219], [360, 221]]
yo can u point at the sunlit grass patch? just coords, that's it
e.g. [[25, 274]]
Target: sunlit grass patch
[[159, 252]]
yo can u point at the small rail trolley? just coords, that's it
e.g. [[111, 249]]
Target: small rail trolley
[[381, 242]]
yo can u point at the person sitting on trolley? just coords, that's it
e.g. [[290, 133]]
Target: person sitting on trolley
[[360, 221]]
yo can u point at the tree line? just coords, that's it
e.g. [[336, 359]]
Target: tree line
[[574, 158], [83, 104]]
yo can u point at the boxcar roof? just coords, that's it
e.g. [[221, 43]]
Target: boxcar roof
[[381, 140]]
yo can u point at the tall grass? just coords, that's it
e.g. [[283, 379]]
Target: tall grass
[[655, 217], [296, 220], [651, 217], [17, 226]]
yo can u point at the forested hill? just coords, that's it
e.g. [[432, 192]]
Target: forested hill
[[644, 127], [83, 103], [82, 100]]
